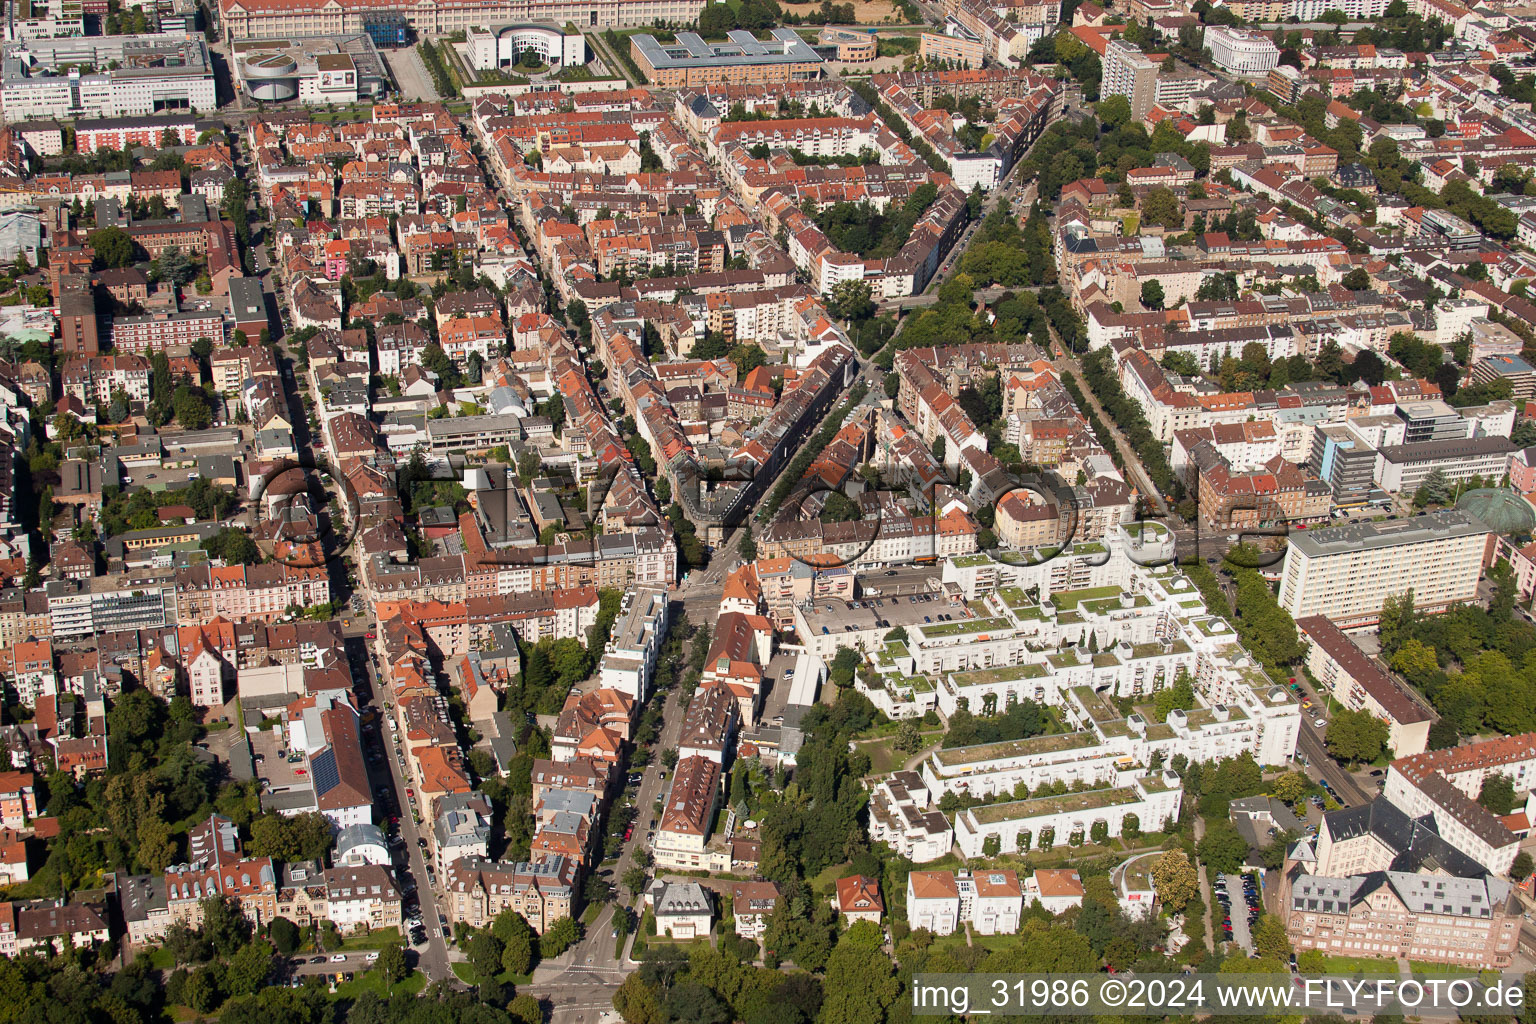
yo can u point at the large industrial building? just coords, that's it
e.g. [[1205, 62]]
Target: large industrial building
[[42, 78], [269, 19]]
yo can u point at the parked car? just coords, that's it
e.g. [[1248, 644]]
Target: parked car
[[338, 958]]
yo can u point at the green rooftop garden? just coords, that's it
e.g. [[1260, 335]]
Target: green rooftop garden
[[1072, 598], [1001, 674], [1138, 873], [963, 628], [1066, 803], [1015, 748]]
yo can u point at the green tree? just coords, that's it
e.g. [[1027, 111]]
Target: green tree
[[290, 839], [483, 951], [1357, 280], [1152, 294], [1178, 697], [1175, 879], [284, 935], [839, 508], [1497, 793], [1396, 622], [247, 971], [1269, 938], [1435, 490], [559, 937], [1520, 868], [391, 966], [112, 245], [1223, 848], [637, 1000], [860, 985], [1160, 206], [224, 925], [1114, 111], [851, 300], [1292, 787], [518, 952], [1356, 736]]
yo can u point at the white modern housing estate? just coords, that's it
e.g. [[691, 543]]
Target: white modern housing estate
[[1046, 821], [898, 817], [1110, 749], [1344, 573], [1073, 650]]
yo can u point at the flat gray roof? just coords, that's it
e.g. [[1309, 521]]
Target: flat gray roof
[[1451, 448], [1335, 540], [690, 50]]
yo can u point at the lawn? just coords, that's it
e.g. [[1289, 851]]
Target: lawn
[[825, 884], [376, 939], [590, 914], [468, 976], [1361, 965], [988, 942], [884, 758], [1424, 967], [370, 981]]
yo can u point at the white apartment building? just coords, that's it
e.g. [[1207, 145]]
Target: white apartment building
[[898, 818], [1042, 822], [991, 902], [1242, 53], [1357, 682], [1344, 573], [1128, 73], [1109, 749], [629, 659]]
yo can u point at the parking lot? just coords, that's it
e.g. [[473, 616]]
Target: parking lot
[[272, 764], [1234, 926]]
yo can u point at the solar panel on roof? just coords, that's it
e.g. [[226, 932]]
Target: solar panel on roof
[[323, 771]]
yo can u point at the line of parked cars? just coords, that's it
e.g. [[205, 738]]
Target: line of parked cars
[[1224, 899]]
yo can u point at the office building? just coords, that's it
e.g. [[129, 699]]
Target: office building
[[1128, 73], [41, 78], [1521, 377], [1344, 573], [1425, 918], [1403, 467], [1240, 52], [501, 46], [1345, 461], [954, 46], [314, 70], [693, 62]]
